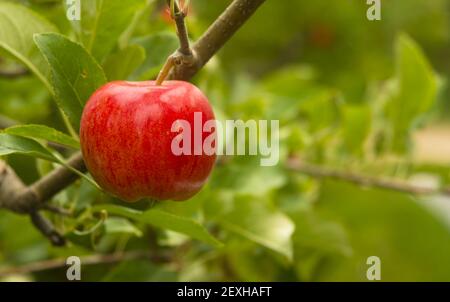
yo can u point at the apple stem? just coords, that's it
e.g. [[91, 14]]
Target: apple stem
[[170, 62], [184, 54]]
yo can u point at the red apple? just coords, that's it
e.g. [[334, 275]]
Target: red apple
[[126, 137]]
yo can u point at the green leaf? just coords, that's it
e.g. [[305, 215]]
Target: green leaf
[[247, 177], [120, 211], [44, 133], [90, 234], [139, 18], [18, 24], [25, 99], [84, 195], [102, 23], [11, 144], [292, 90], [408, 238], [415, 91], [317, 240], [120, 65], [357, 122], [75, 74], [157, 48], [251, 263], [179, 224], [260, 181], [258, 222], [164, 220], [117, 225], [61, 160]]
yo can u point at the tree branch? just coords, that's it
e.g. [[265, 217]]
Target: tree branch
[[216, 36], [15, 196], [364, 180], [24, 200], [10, 186], [47, 229], [182, 32], [60, 178], [184, 55], [87, 260]]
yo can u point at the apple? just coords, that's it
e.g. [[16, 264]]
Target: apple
[[126, 135]]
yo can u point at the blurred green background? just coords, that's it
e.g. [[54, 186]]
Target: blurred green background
[[370, 97]]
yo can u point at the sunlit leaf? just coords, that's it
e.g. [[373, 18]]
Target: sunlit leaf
[[415, 91], [117, 225], [102, 22], [75, 74], [18, 24], [164, 220], [44, 133], [256, 221], [11, 144]]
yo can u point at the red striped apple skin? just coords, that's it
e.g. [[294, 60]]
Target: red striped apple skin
[[126, 140]]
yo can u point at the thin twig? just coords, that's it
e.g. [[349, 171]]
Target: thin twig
[[11, 188], [87, 260], [47, 229], [179, 15], [364, 180], [184, 55], [225, 26]]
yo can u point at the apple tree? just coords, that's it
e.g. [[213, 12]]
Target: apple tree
[[352, 98]]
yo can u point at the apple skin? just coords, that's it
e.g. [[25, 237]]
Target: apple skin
[[126, 138]]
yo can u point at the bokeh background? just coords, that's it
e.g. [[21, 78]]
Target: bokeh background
[[369, 97]]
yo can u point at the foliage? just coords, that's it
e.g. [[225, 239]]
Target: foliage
[[349, 94]]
